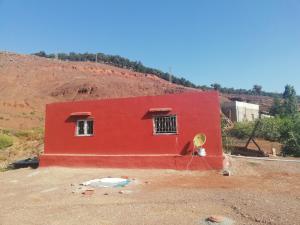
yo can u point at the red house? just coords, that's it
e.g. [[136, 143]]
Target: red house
[[137, 132]]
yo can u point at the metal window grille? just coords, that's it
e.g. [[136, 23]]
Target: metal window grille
[[90, 127], [80, 127], [85, 127], [165, 124]]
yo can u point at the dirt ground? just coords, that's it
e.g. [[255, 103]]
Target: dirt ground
[[258, 192], [265, 146]]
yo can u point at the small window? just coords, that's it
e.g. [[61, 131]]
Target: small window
[[165, 124], [85, 127]]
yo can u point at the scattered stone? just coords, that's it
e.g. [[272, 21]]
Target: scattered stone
[[226, 173], [105, 193], [88, 192], [216, 219]]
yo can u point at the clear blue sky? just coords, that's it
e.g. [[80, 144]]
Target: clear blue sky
[[235, 43]]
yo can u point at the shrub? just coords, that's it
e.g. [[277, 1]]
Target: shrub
[[290, 136], [226, 139], [285, 130], [291, 146], [227, 143], [31, 135], [270, 128], [242, 129], [5, 141]]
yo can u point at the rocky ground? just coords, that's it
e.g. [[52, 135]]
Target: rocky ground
[[258, 192]]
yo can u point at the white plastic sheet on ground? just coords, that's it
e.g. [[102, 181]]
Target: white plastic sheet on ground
[[107, 182]]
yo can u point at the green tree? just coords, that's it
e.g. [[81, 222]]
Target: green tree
[[257, 89], [290, 135], [41, 54], [216, 86], [290, 104], [276, 108]]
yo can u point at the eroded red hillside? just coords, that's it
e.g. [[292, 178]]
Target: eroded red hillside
[[28, 82]]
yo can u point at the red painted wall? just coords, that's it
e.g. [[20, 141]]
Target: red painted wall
[[124, 126]]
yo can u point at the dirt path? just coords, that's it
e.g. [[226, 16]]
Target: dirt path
[[257, 193]]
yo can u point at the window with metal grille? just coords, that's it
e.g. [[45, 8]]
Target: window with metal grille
[[85, 127], [165, 124]]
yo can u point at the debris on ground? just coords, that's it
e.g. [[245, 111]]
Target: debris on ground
[[88, 192], [125, 192], [88, 188], [218, 220], [24, 163], [107, 182], [226, 162], [226, 173]]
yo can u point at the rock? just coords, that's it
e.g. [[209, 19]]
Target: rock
[[226, 173], [88, 192], [216, 219]]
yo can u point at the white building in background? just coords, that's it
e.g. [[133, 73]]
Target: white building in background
[[240, 111]]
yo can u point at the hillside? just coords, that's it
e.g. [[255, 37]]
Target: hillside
[[28, 82], [255, 95], [264, 102]]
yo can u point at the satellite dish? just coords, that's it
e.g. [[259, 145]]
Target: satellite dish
[[199, 140]]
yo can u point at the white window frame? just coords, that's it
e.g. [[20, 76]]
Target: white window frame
[[154, 127], [85, 127]]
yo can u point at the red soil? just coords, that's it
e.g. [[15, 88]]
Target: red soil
[[28, 82]]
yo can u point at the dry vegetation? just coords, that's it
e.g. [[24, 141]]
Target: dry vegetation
[[21, 144]]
